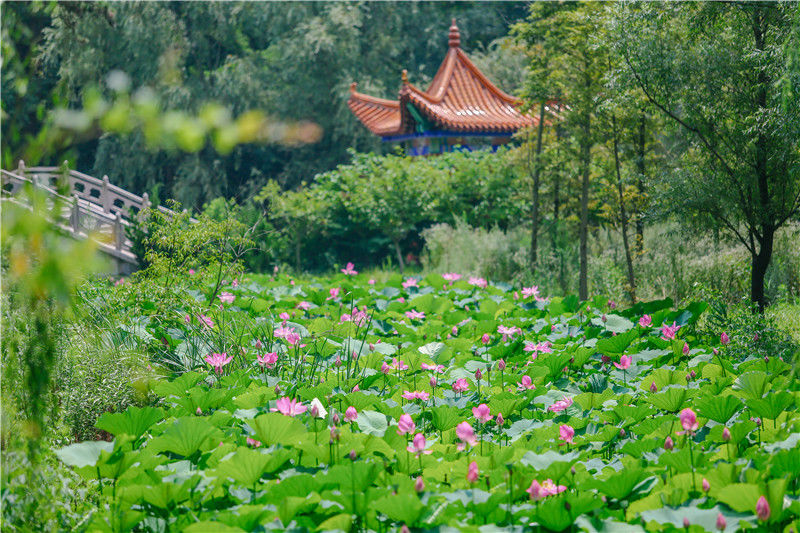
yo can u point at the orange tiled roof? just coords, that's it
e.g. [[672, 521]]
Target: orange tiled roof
[[459, 99]]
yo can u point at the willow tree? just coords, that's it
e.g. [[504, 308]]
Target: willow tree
[[725, 75]]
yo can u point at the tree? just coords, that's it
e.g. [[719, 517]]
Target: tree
[[567, 36], [723, 75]]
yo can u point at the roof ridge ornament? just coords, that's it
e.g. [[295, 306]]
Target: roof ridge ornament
[[404, 76], [454, 37], [353, 87]]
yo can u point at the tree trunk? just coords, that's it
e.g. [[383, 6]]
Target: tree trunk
[[537, 167], [760, 263], [640, 167], [556, 186], [583, 282], [399, 252], [623, 216]]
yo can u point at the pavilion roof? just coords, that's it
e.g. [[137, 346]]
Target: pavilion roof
[[460, 99]]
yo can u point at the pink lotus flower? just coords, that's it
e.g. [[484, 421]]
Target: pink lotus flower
[[507, 332], [566, 433], [530, 292], [451, 277], [543, 347], [398, 364], [466, 435], [645, 321], [253, 442], [482, 413], [348, 270], [612, 304], [535, 491], [415, 315], [410, 282], [187, 319], [624, 362], [547, 488], [334, 293], [226, 297], [405, 425], [371, 282], [268, 359], [284, 316], [436, 369], [218, 360], [416, 395], [350, 415], [460, 385], [282, 332], [418, 445], [293, 338], [419, 484], [724, 339], [525, 384], [485, 338], [206, 321], [385, 368], [289, 407], [472, 472], [668, 332], [516, 295], [478, 282], [762, 509], [305, 306], [560, 405], [688, 421], [191, 272]]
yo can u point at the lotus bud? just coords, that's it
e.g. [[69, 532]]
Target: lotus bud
[[355, 389], [685, 348], [757, 420], [653, 387], [258, 344], [724, 339], [755, 337], [501, 364], [353, 455], [336, 418], [478, 374], [572, 470], [706, 485], [612, 304], [432, 382], [726, 435], [668, 444], [693, 374], [454, 331], [721, 522], [688, 377], [338, 361], [716, 352], [604, 318], [199, 411], [762, 509], [485, 338], [685, 522], [766, 359], [605, 359], [405, 529], [371, 347], [499, 420], [621, 433], [278, 391], [419, 485]]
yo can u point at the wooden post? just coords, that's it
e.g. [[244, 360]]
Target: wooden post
[[76, 215], [105, 197], [21, 168]]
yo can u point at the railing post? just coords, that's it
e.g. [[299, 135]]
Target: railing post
[[76, 215], [106, 199], [119, 234], [21, 168], [145, 202]]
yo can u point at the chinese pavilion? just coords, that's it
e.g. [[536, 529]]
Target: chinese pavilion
[[461, 108]]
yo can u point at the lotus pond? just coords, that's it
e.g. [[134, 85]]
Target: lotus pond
[[444, 403]]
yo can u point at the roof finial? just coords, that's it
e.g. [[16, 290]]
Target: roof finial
[[404, 76], [454, 37], [353, 87]]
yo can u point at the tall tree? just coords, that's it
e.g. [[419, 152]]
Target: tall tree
[[567, 36], [723, 75]]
